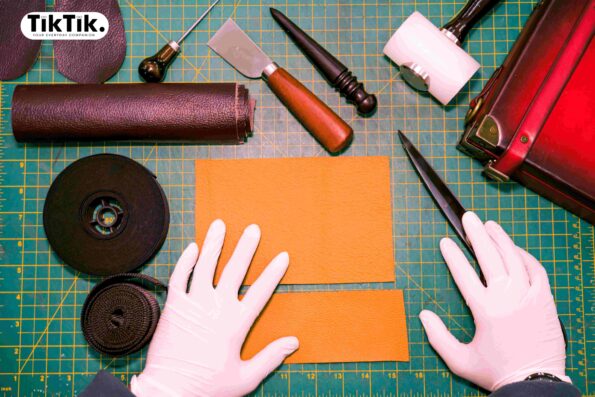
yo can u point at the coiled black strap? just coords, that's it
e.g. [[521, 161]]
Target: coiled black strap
[[120, 315]]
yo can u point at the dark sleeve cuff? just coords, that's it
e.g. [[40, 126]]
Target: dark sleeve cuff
[[106, 385], [537, 388]]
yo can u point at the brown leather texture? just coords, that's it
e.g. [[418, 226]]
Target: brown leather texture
[[92, 61], [559, 164], [18, 52], [198, 112], [320, 120]]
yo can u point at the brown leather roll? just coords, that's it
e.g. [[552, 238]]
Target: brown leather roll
[[200, 112]]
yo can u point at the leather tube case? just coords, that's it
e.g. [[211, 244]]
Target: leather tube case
[[201, 112]]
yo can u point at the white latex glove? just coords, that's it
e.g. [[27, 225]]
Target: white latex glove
[[517, 331], [196, 348]]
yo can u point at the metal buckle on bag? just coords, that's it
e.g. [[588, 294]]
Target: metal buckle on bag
[[495, 174], [478, 101]]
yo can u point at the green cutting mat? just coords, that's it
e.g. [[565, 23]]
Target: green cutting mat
[[42, 351]]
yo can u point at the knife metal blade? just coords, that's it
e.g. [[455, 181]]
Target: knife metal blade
[[446, 201], [238, 49]]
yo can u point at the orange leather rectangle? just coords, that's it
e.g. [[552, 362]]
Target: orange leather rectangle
[[336, 326], [332, 215]]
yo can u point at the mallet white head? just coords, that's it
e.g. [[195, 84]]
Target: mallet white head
[[430, 59]]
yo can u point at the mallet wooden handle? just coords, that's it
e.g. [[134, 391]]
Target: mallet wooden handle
[[469, 15], [326, 126]]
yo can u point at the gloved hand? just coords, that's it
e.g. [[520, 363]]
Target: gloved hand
[[517, 331], [196, 348]]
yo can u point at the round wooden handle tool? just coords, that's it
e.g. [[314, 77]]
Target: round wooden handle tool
[[469, 15], [326, 126]]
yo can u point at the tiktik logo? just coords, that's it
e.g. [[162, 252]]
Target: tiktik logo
[[64, 26]]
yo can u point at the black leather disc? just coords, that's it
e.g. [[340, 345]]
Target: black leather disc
[[106, 214]]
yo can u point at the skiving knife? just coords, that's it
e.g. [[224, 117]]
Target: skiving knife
[[236, 47]]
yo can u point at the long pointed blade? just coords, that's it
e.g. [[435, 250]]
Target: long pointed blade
[[238, 49], [448, 203], [329, 66]]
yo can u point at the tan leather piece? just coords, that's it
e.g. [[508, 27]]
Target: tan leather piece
[[332, 215], [336, 326]]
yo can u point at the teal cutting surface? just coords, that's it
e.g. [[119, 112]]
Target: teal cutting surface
[[42, 351]]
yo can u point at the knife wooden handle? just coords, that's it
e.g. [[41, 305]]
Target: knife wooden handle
[[326, 126]]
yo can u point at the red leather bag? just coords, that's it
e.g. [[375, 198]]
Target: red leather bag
[[534, 121]]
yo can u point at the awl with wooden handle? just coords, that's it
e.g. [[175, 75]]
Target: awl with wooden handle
[[233, 45]]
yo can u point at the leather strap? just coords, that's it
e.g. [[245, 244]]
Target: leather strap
[[18, 52], [547, 95], [119, 316], [92, 61], [543, 376]]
